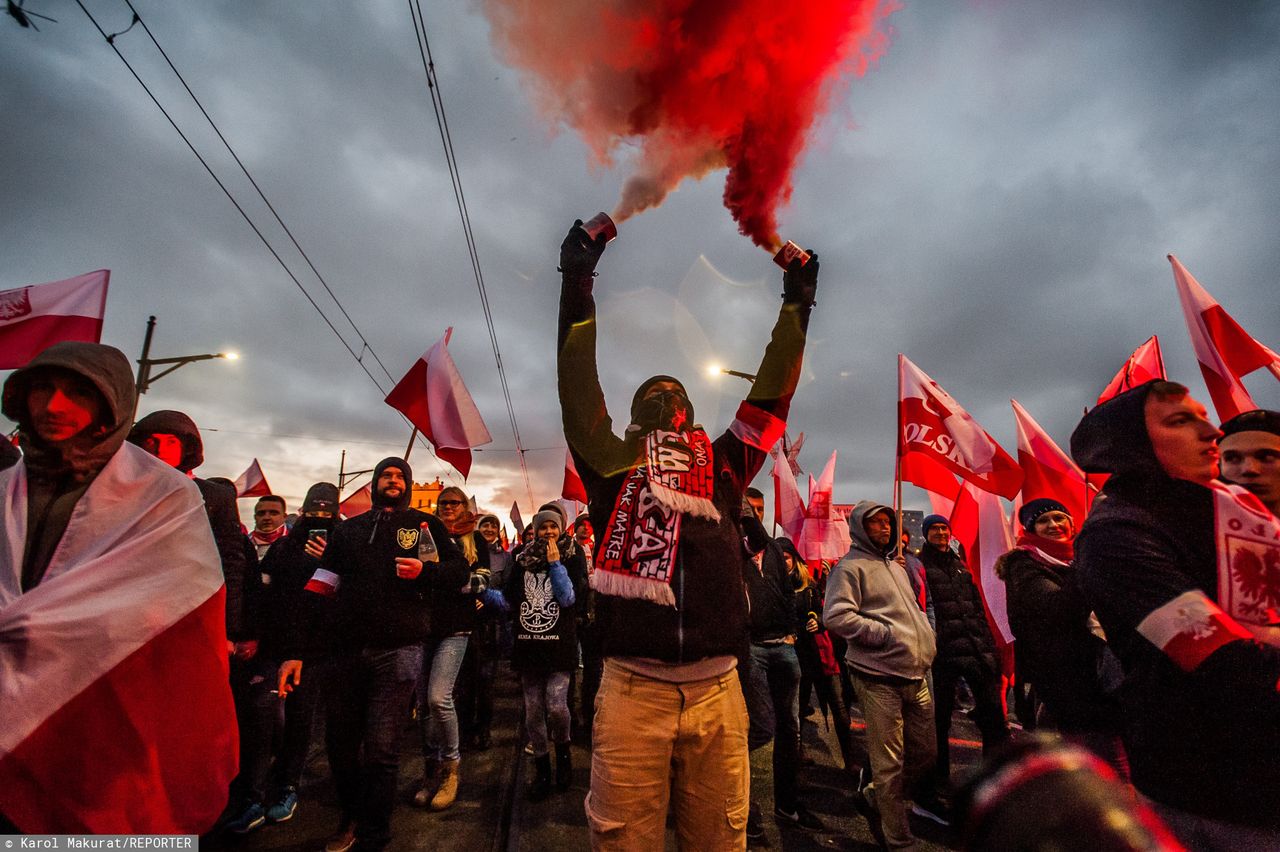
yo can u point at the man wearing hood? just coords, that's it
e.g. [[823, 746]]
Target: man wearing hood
[[664, 500], [1177, 567], [1250, 448], [109, 590], [386, 570], [877, 607]]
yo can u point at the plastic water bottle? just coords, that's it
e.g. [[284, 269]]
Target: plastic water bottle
[[427, 550]]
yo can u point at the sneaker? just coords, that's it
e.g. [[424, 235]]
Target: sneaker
[[343, 839], [933, 809], [755, 823], [247, 820], [871, 815], [801, 817], [284, 807]]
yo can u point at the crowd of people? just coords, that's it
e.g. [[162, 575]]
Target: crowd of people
[[666, 629]]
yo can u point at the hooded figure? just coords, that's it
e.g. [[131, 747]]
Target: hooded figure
[[1199, 695]]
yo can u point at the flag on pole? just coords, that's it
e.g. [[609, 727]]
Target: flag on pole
[[252, 483], [788, 506], [434, 398], [938, 438], [358, 503], [980, 524], [35, 317], [825, 535], [1048, 471], [1145, 364], [572, 489], [516, 520], [1225, 351]]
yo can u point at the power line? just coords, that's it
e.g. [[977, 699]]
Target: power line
[[359, 358], [442, 122]]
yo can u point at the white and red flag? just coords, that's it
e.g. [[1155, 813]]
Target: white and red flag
[[516, 520], [434, 398], [826, 530], [788, 505], [1146, 363], [980, 524], [117, 712], [35, 317], [1047, 470], [937, 439], [572, 488], [252, 483], [358, 503], [1225, 351]]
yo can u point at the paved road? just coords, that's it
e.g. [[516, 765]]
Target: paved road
[[491, 814]]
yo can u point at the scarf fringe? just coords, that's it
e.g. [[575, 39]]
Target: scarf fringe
[[699, 507], [631, 586]]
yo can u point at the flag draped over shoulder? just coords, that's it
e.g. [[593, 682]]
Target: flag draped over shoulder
[[253, 482], [434, 398], [1225, 351], [1146, 363], [118, 716], [34, 318], [938, 440]]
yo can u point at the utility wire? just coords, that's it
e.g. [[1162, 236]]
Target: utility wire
[[110, 39], [442, 122]]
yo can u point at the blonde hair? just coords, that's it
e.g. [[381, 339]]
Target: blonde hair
[[468, 541]]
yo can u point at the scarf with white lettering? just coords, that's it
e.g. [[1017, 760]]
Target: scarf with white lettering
[[1248, 544], [637, 552]]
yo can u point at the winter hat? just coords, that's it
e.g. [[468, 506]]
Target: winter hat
[[930, 520], [1028, 514], [402, 502], [650, 382], [547, 515], [1258, 420], [559, 509], [321, 497], [172, 423]]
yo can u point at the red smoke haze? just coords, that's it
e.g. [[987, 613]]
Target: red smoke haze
[[695, 85]]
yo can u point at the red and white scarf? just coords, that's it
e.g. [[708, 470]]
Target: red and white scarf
[[637, 551], [1247, 537], [261, 539]]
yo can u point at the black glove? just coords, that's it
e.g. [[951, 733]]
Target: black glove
[[800, 282], [579, 254]]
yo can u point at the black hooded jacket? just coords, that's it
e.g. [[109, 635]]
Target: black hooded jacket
[[238, 572], [59, 474], [1206, 740], [710, 615], [375, 607], [286, 568], [770, 590], [964, 637]]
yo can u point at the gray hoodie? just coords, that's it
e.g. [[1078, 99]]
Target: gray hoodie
[[870, 602]]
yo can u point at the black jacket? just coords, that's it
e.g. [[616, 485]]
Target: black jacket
[[710, 615], [1206, 740], [376, 608], [1057, 652], [454, 610], [964, 637], [286, 568], [545, 633], [770, 593]]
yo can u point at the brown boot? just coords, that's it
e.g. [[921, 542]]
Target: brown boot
[[448, 790], [430, 783]]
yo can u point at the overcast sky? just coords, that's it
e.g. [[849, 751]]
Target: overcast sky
[[995, 199]]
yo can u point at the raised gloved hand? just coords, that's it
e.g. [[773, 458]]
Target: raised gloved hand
[[800, 282], [579, 254]]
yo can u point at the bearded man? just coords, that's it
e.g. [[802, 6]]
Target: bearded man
[[664, 500]]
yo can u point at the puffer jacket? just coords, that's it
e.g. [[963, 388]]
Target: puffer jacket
[[963, 635]]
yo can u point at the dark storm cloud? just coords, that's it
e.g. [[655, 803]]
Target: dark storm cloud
[[995, 199]]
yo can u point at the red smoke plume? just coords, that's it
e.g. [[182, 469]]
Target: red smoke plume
[[696, 85]]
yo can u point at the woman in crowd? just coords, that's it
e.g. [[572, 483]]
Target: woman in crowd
[[1060, 647], [453, 613], [542, 589], [474, 692]]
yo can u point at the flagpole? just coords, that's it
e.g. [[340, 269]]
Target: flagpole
[[413, 436], [897, 462]]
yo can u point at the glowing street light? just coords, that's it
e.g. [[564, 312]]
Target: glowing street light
[[146, 362]]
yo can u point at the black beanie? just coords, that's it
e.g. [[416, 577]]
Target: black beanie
[[1042, 505], [1258, 420], [650, 382]]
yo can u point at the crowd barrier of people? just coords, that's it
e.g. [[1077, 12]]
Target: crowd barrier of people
[[666, 629]]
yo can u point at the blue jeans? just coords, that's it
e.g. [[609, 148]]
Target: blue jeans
[[441, 661], [369, 693], [773, 706]]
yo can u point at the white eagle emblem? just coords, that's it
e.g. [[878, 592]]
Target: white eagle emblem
[[539, 612]]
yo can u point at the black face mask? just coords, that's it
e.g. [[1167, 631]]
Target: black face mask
[[670, 410]]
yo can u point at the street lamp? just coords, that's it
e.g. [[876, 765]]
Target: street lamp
[[740, 375], [145, 363]]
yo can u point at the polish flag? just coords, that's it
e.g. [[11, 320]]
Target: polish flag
[[252, 483], [434, 398], [825, 535], [117, 711], [1049, 472], [35, 317], [980, 524], [1145, 364], [937, 438], [572, 489], [788, 506], [516, 520], [358, 503], [1225, 351]]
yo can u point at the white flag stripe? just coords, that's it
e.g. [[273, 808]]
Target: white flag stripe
[[82, 296]]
